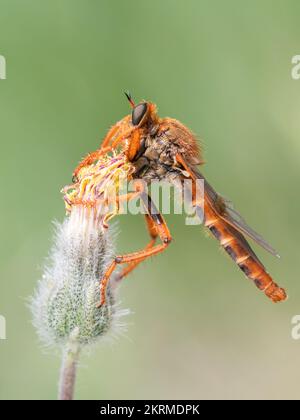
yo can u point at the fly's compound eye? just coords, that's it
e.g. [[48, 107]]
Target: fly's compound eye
[[138, 113]]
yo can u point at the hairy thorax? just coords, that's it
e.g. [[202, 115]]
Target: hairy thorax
[[158, 159], [159, 150]]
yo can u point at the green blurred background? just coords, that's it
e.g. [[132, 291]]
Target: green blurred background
[[198, 328]]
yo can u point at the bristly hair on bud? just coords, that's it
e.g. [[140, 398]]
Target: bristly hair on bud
[[64, 306]]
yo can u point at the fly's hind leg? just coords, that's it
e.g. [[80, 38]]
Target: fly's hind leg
[[157, 228]]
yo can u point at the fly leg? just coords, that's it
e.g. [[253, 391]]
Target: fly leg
[[153, 235], [158, 228], [104, 148]]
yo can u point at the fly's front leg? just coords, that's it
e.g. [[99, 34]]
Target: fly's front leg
[[88, 160], [111, 140], [113, 132], [109, 136], [104, 148], [132, 259]]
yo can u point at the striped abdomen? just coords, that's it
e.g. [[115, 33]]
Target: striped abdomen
[[240, 251]]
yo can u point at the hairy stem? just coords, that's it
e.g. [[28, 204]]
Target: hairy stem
[[68, 370]]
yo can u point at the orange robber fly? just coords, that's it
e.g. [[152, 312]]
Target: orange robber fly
[[144, 146]]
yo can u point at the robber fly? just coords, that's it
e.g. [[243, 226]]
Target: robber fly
[[144, 146]]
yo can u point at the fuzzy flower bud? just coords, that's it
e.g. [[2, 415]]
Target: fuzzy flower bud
[[65, 303]]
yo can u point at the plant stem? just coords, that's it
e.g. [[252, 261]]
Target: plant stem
[[68, 370]]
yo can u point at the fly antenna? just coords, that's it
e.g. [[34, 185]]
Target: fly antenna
[[130, 100]]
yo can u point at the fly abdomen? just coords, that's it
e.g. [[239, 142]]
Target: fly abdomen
[[241, 253]]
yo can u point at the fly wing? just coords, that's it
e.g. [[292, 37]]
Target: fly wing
[[235, 219], [225, 210]]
